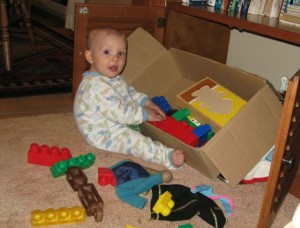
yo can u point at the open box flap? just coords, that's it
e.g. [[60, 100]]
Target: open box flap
[[143, 49], [243, 142]]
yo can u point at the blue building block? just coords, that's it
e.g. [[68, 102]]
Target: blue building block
[[202, 133], [162, 103]]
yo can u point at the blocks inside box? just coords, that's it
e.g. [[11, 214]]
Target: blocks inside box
[[237, 146]]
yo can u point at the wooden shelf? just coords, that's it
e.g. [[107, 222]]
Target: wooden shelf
[[264, 26]]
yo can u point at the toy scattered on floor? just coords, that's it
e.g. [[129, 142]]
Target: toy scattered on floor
[[128, 226], [87, 193], [226, 201], [164, 204], [188, 225], [132, 179], [187, 205], [46, 155], [82, 161], [106, 176], [76, 177], [91, 201], [59, 216]]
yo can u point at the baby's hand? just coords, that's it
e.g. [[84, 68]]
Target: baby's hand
[[150, 105], [153, 115]]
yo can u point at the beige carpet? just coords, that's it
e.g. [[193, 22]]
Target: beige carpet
[[26, 187]]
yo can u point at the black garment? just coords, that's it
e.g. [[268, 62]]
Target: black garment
[[187, 205]]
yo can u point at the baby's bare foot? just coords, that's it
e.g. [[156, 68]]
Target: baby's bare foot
[[177, 157]]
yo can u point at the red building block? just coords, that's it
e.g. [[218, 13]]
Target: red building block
[[47, 156], [106, 176], [180, 130]]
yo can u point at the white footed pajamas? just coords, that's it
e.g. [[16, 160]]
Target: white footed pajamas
[[103, 108]]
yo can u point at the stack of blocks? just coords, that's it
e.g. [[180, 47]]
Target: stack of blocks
[[182, 125]]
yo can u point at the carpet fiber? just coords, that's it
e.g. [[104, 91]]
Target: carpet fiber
[[49, 70], [27, 187]]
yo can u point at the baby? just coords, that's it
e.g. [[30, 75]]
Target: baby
[[105, 104]]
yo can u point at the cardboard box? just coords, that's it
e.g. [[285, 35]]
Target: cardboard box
[[210, 102], [238, 146]]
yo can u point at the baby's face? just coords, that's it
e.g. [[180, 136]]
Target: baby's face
[[108, 54]]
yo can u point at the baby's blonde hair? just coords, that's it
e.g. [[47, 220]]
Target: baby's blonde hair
[[105, 31]]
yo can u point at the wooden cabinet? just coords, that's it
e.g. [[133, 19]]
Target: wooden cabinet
[[196, 35]]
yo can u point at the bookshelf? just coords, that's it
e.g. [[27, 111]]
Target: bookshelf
[[257, 24]]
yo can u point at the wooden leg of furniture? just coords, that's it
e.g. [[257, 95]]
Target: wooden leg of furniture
[[5, 35], [22, 16], [27, 23]]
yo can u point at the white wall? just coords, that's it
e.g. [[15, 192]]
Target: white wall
[[265, 57]]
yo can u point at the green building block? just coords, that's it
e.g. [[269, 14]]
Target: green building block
[[210, 135], [188, 225], [82, 161], [181, 114]]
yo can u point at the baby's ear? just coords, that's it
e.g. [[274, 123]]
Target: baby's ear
[[88, 56]]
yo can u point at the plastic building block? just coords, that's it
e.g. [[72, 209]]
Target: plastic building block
[[106, 176], [181, 114], [91, 201], [47, 156], [164, 204], [82, 161], [188, 225], [185, 114], [180, 130], [76, 177], [162, 103], [202, 132], [59, 216], [128, 226], [193, 122]]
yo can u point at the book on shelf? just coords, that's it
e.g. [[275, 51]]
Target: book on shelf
[[218, 4], [245, 6], [239, 6], [225, 4], [257, 7], [253, 7], [273, 7], [231, 5]]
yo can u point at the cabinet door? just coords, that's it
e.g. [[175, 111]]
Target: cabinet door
[[285, 161], [198, 36], [124, 17]]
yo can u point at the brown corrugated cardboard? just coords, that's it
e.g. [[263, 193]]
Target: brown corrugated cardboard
[[239, 145]]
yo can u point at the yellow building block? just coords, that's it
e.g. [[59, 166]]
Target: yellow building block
[[164, 204], [58, 216]]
